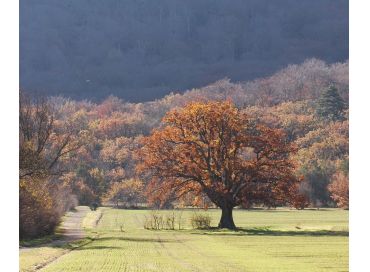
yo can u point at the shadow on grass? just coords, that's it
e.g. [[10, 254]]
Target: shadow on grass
[[268, 232], [128, 239], [288, 210], [81, 244], [99, 247], [40, 241], [133, 239]]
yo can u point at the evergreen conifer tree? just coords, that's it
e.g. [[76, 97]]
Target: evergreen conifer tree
[[330, 105]]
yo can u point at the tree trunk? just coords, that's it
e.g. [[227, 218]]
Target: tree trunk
[[227, 220]]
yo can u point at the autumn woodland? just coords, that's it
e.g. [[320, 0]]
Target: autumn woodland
[[278, 141]]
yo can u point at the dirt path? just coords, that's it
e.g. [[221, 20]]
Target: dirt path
[[72, 224], [71, 228]]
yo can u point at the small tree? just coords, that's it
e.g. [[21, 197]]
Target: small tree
[[129, 192], [214, 149], [331, 105], [339, 190]]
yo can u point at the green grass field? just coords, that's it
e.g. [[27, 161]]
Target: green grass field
[[269, 240]]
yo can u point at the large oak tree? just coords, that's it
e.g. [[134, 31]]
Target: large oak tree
[[215, 149]]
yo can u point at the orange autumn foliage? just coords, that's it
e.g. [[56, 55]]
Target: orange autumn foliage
[[127, 192], [339, 190], [215, 149]]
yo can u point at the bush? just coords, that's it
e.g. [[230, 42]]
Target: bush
[[179, 219], [41, 205], [339, 190], [94, 206], [154, 221], [200, 221], [170, 221], [157, 221]]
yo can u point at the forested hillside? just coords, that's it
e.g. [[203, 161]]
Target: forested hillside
[[142, 50], [80, 151]]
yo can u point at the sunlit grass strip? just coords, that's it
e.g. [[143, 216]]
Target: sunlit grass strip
[[266, 240]]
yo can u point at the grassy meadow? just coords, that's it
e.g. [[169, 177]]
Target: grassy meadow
[[268, 240]]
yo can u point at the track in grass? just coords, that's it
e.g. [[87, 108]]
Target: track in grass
[[70, 234]]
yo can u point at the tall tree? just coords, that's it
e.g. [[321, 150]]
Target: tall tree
[[43, 141], [331, 105], [215, 149]]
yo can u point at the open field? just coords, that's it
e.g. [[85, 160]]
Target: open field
[[269, 240]]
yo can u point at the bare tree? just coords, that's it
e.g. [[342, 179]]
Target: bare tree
[[42, 141]]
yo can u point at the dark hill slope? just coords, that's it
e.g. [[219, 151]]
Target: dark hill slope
[[143, 49]]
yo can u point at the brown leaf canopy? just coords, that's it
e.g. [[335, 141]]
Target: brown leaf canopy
[[214, 148]]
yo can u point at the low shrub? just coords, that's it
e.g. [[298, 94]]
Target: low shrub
[[179, 220], [200, 221], [41, 206], [170, 221], [157, 221]]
